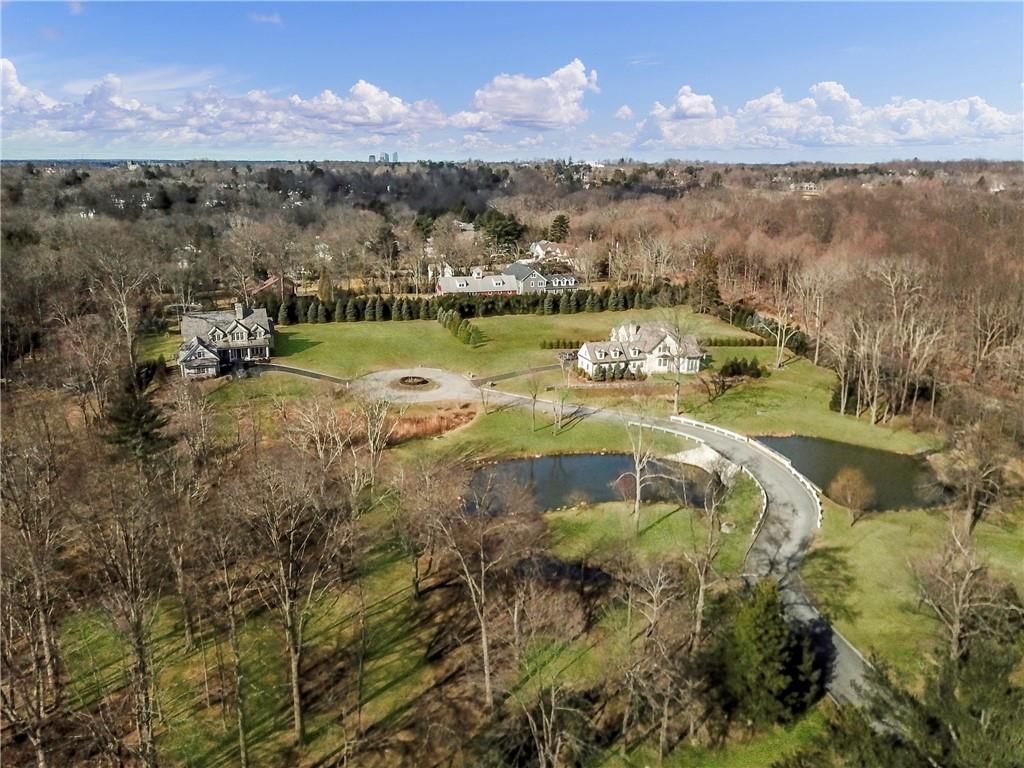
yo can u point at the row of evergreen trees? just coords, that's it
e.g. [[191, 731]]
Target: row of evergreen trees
[[460, 327], [351, 307], [620, 372]]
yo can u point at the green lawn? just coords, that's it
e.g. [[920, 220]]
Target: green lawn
[[599, 533], [511, 342], [862, 576], [507, 432], [759, 751], [790, 401]]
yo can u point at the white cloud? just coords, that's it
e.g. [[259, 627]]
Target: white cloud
[[265, 18], [687, 106], [829, 117], [151, 81], [76, 8], [177, 109], [549, 102]]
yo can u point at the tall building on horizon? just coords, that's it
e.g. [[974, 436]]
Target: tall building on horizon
[[373, 158]]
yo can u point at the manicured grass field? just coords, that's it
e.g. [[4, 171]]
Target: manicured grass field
[[507, 432], [862, 576], [512, 342], [598, 533]]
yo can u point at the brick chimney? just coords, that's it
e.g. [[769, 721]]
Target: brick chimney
[[239, 312]]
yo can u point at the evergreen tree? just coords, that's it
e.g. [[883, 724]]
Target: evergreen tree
[[351, 311], [371, 308], [613, 300], [339, 311], [321, 313], [311, 312], [424, 310], [135, 422], [407, 310], [380, 309], [302, 310], [549, 304], [599, 373], [969, 712], [766, 669], [589, 306], [559, 230], [282, 314]]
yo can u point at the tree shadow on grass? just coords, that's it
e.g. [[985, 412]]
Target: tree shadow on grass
[[292, 342], [827, 574]]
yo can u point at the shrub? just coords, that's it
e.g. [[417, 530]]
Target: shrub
[[851, 488]]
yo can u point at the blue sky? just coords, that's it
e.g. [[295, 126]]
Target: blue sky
[[726, 81]]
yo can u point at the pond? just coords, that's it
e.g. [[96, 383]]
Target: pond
[[899, 480], [561, 481]]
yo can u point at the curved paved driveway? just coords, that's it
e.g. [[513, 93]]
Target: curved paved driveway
[[790, 520]]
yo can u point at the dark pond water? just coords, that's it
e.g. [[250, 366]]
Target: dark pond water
[[898, 480], [560, 481]]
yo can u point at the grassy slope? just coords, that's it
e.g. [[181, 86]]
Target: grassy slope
[[862, 575]]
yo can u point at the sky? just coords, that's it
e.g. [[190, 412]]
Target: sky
[[758, 82]]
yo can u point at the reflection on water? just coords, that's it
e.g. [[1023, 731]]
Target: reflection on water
[[899, 480], [560, 481]]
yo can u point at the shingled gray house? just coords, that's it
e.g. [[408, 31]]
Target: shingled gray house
[[516, 278], [215, 342]]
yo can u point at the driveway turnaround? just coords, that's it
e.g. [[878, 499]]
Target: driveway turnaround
[[440, 386]]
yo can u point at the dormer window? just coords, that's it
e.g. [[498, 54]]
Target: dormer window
[[463, 283], [239, 335], [615, 353], [259, 332], [635, 351], [600, 354]]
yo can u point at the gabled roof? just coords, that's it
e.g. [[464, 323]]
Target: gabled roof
[[522, 271], [193, 350], [200, 324]]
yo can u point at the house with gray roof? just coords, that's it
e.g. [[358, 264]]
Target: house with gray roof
[[215, 342], [647, 348], [517, 278]]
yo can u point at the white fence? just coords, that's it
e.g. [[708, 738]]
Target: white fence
[[812, 489], [764, 496]]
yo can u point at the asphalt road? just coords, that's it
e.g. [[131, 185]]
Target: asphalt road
[[785, 535], [788, 528]]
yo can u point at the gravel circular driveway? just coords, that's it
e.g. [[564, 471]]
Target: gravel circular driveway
[[443, 386]]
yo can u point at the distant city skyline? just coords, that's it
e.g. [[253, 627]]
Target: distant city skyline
[[762, 82]]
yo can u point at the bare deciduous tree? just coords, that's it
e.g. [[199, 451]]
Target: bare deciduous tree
[[484, 537], [378, 417], [298, 543], [963, 596], [120, 529]]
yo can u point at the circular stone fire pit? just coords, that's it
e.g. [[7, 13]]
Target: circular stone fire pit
[[413, 381]]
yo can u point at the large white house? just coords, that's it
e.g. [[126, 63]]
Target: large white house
[[649, 348]]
